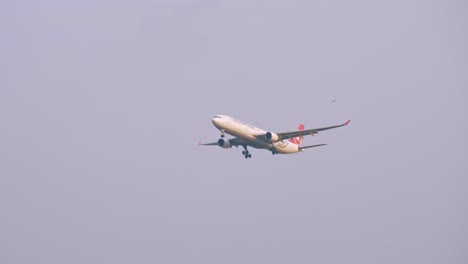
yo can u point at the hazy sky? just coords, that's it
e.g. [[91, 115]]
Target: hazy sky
[[102, 104]]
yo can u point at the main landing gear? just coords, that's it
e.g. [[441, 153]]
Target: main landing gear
[[273, 151], [246, 153]]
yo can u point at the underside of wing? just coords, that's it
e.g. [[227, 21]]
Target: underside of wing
[[236, 142], [293, 134], [208, 144], [312, 146], [231, 142]]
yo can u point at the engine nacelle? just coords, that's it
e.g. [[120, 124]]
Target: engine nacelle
[[272, 137], [224, 143]]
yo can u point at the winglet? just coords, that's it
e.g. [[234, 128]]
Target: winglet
[[346, 123], [199, 142]]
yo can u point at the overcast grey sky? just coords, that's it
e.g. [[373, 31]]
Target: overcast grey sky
[[103, 103]]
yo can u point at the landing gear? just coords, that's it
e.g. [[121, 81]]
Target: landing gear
[[273, 151], [246, 153], [222, 133]]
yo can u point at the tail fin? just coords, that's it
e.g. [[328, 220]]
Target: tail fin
[[297, 140]]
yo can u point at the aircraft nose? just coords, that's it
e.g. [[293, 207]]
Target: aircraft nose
[[217, 121]]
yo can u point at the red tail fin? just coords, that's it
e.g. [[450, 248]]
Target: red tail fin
[[297, 140]]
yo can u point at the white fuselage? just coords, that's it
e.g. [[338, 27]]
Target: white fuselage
[[249, 134]]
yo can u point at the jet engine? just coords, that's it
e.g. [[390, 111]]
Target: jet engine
[[224, 143], [272, 137]]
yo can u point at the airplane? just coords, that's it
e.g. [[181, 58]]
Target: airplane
[[247, 135]]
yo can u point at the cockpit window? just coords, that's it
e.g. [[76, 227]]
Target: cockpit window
[[217, 117]]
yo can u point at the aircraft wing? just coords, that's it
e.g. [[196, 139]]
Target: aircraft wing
[[233, 141], [208, 144], [300, 133], [312, 146]]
